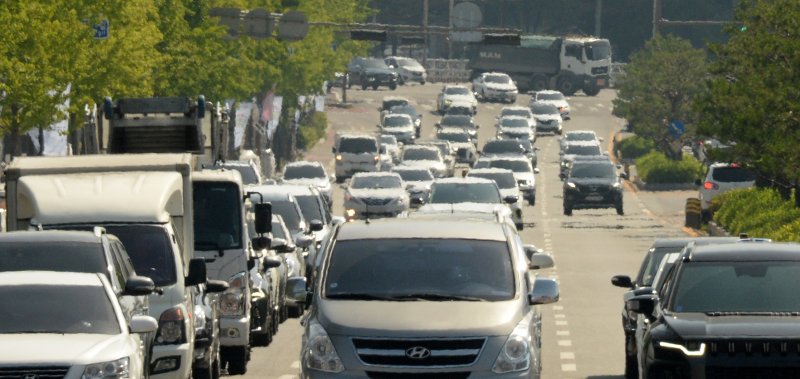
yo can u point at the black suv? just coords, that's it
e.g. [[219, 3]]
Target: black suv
[[371, 72], [725, 311], [592, 184]]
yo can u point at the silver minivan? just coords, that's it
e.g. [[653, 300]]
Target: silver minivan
[[432, 298], [356, 153]]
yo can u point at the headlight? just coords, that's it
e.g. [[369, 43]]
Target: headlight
[[319, 353], [571, 185], [616, 185], [692, 349], [170, 327], [231, 303], [448, 101], [515, 354], [376, 158], [338, 157], [291, 266], [199, 319], [106, 370]]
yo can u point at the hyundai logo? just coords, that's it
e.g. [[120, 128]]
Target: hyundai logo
[[418, 352]]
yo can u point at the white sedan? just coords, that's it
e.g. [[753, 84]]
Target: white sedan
[[555, 98], [455, 94], [495, 86], [68, 325]]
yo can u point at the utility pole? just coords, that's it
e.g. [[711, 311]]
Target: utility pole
[[450, 26], [598, 17], [425, 28], [656, 17]]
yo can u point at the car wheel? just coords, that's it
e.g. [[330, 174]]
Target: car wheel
[[620, 210], [393, 86], [422, 83], [567, 209], [237, 360], [263, 338], [538, 83], [631, 367], [296, 311], [591, 90], [216, 370], [532, 201], [374, 86], [567, 86], [203, 372]]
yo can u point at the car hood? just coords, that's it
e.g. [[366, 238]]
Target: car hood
[[460, 145], [557, 103], [500, 86], [419, 185], [460, 98], [66, 349], [382, 193], [317, 182], [419, 318], [467, 207], [525, 176], [510, 192], [379, 71], [422, 163], [700, 326], [397, 129], [547, 117], [593, 181], [514, 129]]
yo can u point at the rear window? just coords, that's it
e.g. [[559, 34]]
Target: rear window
[[53, 256], [358, 145], [303, 172], [732, 174]]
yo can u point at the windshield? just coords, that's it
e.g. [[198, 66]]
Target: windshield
[[420, 269], [598, 50], [732, 174], [422, 155], [456, 91], [651, 263], [394, 103], [53, 256], [454, 193], [737, 287], [582, 150], [248, 173], [150, 250], [415, 175], [549, 96], [387, 139], [542, 109], [217, 216], [581, 136], [456, 120], [374, 63], [358, 145], [504, 180], [376, 182], [515, 112], [290, 213], [311, 208], [515, 165], [582, 170], [454, 137], [395, 121], [501, 79], [408, 62], [514, 122], [68, 309], [407, 110], [459, 110], [303, 172], [504, 146]]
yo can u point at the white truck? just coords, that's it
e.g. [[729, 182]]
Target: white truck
[[143, 199], [222, 240]]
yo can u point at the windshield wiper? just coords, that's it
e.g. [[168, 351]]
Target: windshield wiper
[[721, 314], [358, 296], [437, 297]]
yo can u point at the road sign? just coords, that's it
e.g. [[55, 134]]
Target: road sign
[[258, 23], [230, 18], [292, 26], [471, 36], [101, 30], [467, 15], [676, 128]]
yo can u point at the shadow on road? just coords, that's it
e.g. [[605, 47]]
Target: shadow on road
[[606, 377]]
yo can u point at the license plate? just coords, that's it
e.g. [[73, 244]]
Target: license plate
[[601, 82], [594, 198]]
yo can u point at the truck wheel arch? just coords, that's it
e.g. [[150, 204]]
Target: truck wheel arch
[[539, 83]]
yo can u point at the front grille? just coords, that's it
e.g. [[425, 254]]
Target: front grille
[[746, 348], [430, 352], [752, 372], [599, 189], [599, 70], [376, 202], [403, 375], [39, 372]]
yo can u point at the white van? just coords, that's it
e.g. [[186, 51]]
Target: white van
[[356, 153]]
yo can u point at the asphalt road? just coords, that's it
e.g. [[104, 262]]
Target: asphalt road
[[582, 334]]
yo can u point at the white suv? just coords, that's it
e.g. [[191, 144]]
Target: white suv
[[723, 177]]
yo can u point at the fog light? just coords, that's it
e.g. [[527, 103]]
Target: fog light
[[350, 213], [165, 364], [231, 332]]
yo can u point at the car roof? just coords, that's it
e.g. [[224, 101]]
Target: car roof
[[515, 108], [271, 192], [50, 278], [50, 236], [395, 98], [296, 189], [398, 115], [679, 242], [580, 132], [376, 174], [451, 129], [489, 170], [236, 163], [419, 147], [409, 168], [303, 163], [505, 158], [467, 180], [455, 86], [416, 228], [745, 251], [548, 92], [494, 73]]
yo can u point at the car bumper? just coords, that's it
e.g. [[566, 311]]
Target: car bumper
[[377, 373], [500, 95], [348, 170], [234, 331], [173, 361], [552, 128], [595, 200], [361, 211]]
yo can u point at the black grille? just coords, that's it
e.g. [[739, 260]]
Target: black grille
[[755, 347], [403, 375], [599, 70], [594, 188], [752, 372], [40, 372], [376, 202], [441, 352]]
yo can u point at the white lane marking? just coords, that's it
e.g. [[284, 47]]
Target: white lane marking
[[567, 355], [562, 333], [569, 367], [560, 315], [558, 307], [295, 364], [288, 377], [561, 322], [564, 342]]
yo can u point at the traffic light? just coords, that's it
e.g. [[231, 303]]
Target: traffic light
[[230, 18], [501, 39], [258, 23], [368, 35]]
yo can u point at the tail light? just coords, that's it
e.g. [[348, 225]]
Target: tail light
[[170, 327], [710, 185]]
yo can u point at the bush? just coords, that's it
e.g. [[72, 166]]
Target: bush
[[311, 129], [634, 147], [759, 213], [654, 167]]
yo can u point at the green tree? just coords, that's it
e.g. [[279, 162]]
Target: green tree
[[753, 98], [661, 83]]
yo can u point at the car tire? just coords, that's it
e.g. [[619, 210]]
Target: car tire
[[237, 360], [532, 201], [393, 86], [620, 210], [216, 370], [591, 90], [422, 83], [567, 209], [364, 86], [538, 83], [295, 311], [631, 367], [567, 86], [203, 372]]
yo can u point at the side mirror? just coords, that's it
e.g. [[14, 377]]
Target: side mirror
[[216, 286], [643, 304], [316, 225], [562, 176], [332, 177], [623, 175], [297, 289], [333, 150], [139, 286], [536, 170], [541, 261], [531, 250], [623, 281], [197, 272], [271, 263], [143, 324], [600, 139], [263, 215], [417, 201], [304, 242], [545, 291], [260, 243], [511, 199]]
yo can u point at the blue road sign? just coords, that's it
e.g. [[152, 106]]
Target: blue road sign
[[101, 30], [676, 128]]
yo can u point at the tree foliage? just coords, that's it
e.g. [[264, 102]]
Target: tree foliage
[[662, 81], [753, 99]]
